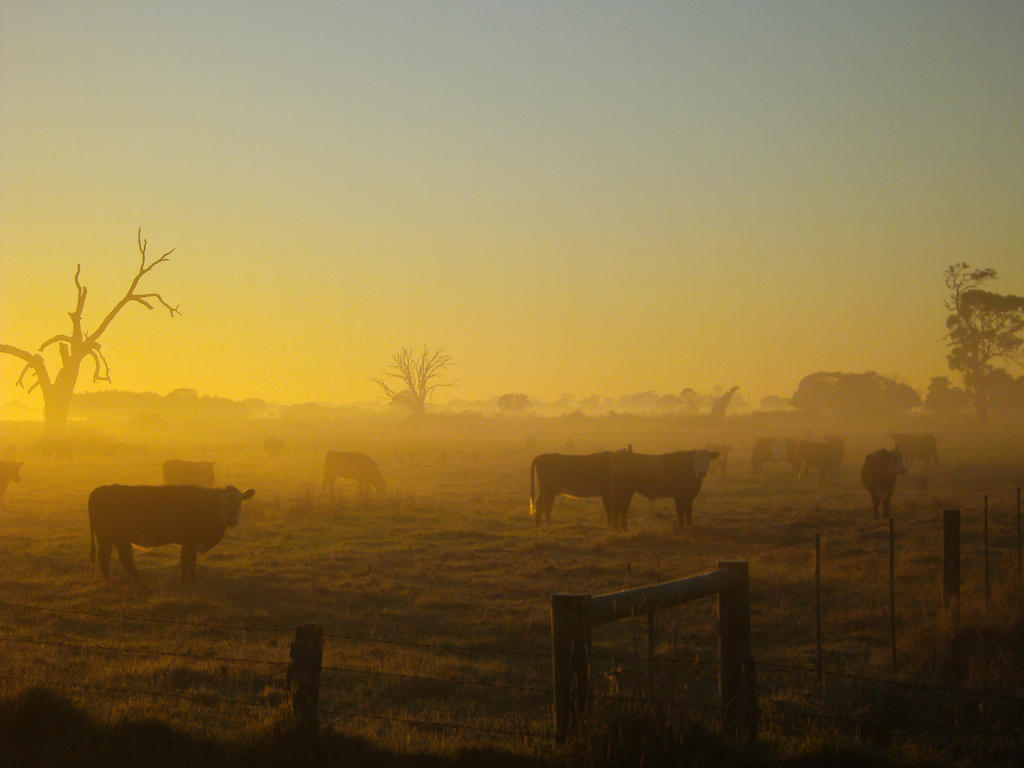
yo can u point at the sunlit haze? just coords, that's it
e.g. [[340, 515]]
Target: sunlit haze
[[592, 198]]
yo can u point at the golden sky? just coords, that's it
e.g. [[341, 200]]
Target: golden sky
[[585, 197]]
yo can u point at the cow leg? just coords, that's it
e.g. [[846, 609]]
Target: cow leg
[[886, 501], [188, 563], [622, 512], [684, 511], [124, 554], [543, 508], [103, 553]]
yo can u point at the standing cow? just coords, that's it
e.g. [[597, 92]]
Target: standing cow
[[579, 476], [881, 468], [178, 472], [825, 458], [155, 515], [914, 447], [768, 449], [9, 470], [352, 466], [677, 475]]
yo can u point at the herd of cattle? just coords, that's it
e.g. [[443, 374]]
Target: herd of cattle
[[187, 510]]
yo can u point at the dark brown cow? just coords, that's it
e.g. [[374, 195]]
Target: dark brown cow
[[881, 468], [352, 466], [155, 515], [677, 475], [579, 476], [825, 458], [914, 447], [179, 472], [9, 470], [768, 449]]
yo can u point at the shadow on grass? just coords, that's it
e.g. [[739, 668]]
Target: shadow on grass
[[40, 728]]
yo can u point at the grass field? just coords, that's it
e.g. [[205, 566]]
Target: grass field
[[436, 602]]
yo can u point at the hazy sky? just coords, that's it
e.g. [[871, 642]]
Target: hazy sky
[[579, 197]]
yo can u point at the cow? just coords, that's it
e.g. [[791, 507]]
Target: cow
[[155, 515], [768, 449], [9, 470], [722, 464], [675, 475], [825, 458], [579, 476], [881, 468], [352, 466], [178, 472], [913, 447]]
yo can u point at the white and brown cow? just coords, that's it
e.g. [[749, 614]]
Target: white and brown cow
[[179, 472]]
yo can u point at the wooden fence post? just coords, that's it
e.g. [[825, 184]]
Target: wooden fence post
[[1019, 573], [570, 655], [892, 592], [750, 686], [304, 677], [817, 606], [988, 592], [951, 562], [734, 646]]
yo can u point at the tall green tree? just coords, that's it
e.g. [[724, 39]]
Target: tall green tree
[[982, 328], [80, 345]]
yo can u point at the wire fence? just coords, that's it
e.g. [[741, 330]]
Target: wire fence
[[537, 664]]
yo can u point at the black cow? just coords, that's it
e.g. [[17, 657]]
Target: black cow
[[580, 476], [154, 515], [914, 447], [769, 449], [9, 470], [179, 472], [881, 468], [677, 475], [825, 458], [353, 466]]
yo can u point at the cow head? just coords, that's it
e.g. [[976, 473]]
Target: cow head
[[702, 462], [231, 503]]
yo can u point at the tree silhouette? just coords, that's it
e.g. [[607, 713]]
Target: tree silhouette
[[78, 345], [982, 327], [720, 404], [418, 374], [513, 402]]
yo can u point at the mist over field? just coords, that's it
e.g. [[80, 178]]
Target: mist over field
[[450, 384]]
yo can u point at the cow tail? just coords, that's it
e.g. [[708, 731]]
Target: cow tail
[[533, 503]]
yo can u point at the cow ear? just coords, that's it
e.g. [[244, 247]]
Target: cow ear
[[249, 494]]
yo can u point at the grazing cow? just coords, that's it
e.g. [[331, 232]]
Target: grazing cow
[[768, 449], [574, 475], [825, 457], [154, 515], [722, 463], [352, 466], [9, 470], [178, 472], [675, 475], [881, 468], [914, 447]]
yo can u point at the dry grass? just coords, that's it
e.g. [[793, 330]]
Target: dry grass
[[448, 559]]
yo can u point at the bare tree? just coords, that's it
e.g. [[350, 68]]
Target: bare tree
[[411, 378], [78, 345]]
